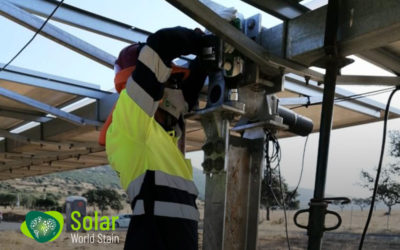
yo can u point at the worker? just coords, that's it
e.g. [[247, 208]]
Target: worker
[[141, 138]]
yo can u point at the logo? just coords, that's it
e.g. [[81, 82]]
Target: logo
[[43, 227]]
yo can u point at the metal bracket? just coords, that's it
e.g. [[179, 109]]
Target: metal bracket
[[322, 204]]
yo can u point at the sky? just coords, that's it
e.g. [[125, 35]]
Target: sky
[[351, 149]]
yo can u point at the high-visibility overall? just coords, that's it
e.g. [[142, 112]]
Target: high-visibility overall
[[152, 169]]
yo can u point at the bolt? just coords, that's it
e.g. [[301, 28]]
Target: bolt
[[207, 165], [219, 164], [233, 95], [208, 148]]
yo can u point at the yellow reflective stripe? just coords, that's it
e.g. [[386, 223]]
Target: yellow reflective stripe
[[176, 210], [141, 97], [163, 179], [152, 60], [169, 209], [134, 187]]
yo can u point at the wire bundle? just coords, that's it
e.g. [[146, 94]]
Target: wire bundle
[[274, 157]]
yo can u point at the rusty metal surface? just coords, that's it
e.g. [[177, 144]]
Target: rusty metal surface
[[238, 177]]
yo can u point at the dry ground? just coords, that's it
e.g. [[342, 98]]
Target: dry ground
[[381, 236], [271, 235]]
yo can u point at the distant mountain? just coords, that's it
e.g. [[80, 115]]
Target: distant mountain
[[106, 177], [103, 176]]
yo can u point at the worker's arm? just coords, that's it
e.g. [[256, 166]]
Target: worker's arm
[[154, 64], [192, 86]]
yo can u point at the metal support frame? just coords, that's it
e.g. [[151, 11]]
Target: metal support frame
[[296, 84], [65, 145], [283, 9], [23, 115], [366, 106], [306, 33], [42, 80], [233, 169], [56, 34], [368, 80], [215, 149], [84, 20], [47, 108], [243, 191], [333, 62], [10, 166], [382, 57], [269, 64]]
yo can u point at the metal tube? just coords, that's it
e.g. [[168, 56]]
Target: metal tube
[[318, 207], [325, 130], [316, 221]]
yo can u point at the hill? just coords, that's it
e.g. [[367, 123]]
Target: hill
[[79, 181]]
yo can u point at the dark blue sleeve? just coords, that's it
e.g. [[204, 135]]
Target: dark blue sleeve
[[169, 44]]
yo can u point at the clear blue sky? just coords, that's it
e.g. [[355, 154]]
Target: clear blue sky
[[352, 149]]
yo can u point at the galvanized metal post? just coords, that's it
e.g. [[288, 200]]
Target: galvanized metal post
[[243, 191], [216, 157], [232, 198], [257, 163]]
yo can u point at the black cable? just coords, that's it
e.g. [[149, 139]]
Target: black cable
[[301, 171], [378, 172], [33, 37], [349, 98], [276, 157], [365, 94], [284, 207]]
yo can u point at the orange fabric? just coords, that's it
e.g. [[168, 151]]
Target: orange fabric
[[122, 77], [177, 70]]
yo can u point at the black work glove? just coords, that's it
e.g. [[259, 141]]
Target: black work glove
[[192, 86]]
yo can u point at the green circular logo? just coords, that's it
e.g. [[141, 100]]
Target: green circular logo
[[43, 227]]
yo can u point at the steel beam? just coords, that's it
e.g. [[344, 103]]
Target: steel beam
[[41, 80], [368, 80], [363, 105], [43, 155], [23, 115], [9, 166], [84, 20], [56, 34], [300, 100], [363, 25], [269, 64], [47, 108], [61, 145], [382, 57], [283, 9], [57, 130]]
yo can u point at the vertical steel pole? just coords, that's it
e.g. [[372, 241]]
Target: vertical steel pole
[[215, 196], [318, 207], [316, 222]]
